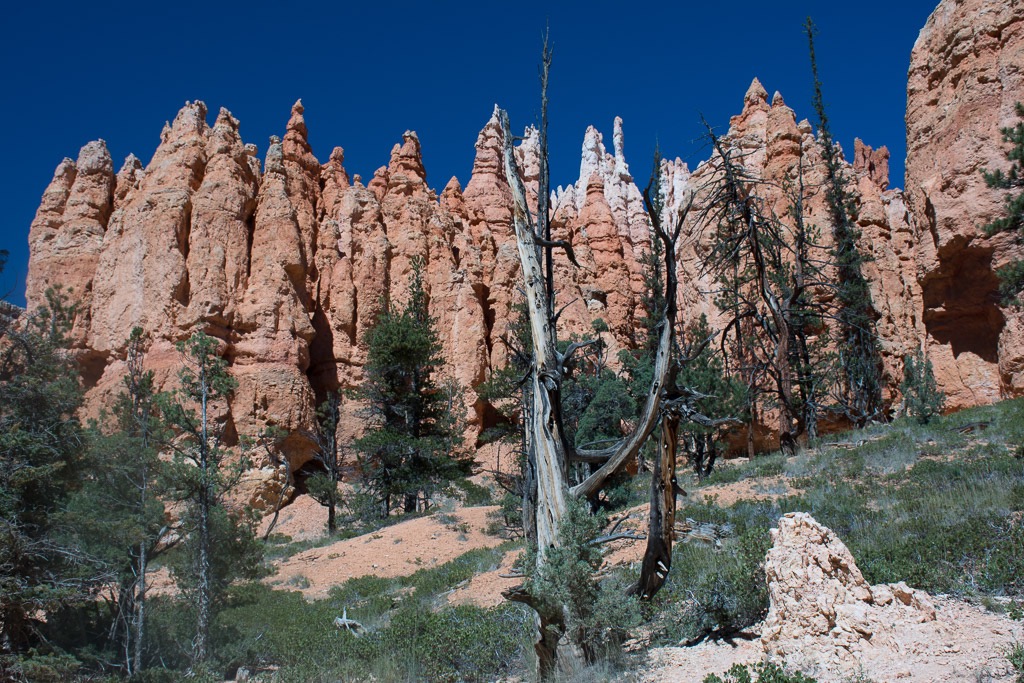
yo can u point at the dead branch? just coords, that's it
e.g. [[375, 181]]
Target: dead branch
[[559, 244], [350, 625], [631, 535]]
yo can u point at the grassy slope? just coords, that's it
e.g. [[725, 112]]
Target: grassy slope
[[921, 503]]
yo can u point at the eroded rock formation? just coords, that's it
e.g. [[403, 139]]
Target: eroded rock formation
[[966, 73], [289, 264], [822, 612]]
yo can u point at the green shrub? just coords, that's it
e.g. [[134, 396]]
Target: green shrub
[[766, 673], [473, 494], [713, 591], [921, 394], [1016, 657], [723, 592], [461, 643], [599, 615], [44, 667]]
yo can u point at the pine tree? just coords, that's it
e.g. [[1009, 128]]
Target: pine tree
[[43, 451], [1011, 276], [921, 396], [860, 392], [323, 486], [203, 477], [724, 395], [118, 515], [414, 447]]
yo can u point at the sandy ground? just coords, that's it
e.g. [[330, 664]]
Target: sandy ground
[[397, 550], [303, 519], [965, 643], [484, 590], [769, 488]]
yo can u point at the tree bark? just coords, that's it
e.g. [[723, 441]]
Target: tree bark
[[140, 611], [204, 569], [661, 523], [546, 444]]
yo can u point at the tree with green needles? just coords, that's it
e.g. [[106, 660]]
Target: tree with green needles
[[414, 447], [921, 396], [43, 448], [203, 477], [859, 393], [722, 395], [118, 515], [323, 486]]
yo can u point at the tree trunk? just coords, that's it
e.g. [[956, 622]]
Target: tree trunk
[[140, 611], [548, 449], [550, 624], [204, 588], [203, 570], [546, 446], [661, 523]]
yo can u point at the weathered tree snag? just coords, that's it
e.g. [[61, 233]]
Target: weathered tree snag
[[550, 622], [547, 447], [546, 440], [664, 487], [757, 236], [546, 443]]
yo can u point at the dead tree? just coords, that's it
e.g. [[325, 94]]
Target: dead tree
[[549, 449], [777, 278], [677, 406]]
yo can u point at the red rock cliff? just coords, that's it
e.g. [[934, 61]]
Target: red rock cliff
[[289, 264], [966, 73]]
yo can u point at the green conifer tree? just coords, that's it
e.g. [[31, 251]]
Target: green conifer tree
[[203, 476], [921, 396], [43, 451], [860, 390], [724, 396], [118, 514], [323, 486], [414, 446]]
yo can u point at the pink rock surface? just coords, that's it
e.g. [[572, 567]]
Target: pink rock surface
[[289, 265], [965, 76]]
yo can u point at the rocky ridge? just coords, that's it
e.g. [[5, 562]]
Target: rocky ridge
[[288, 261]]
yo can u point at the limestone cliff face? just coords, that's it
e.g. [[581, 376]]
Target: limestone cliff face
[[289, 262], [966, 73]]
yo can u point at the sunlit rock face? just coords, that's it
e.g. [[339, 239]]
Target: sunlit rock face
[[288, 261], [966, 74]]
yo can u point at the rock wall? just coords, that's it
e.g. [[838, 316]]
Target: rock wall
[[966, 73], [288, 262]]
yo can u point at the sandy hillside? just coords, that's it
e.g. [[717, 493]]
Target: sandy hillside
[[397, 550]]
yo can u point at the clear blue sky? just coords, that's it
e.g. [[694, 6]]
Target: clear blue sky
[[77, 71]]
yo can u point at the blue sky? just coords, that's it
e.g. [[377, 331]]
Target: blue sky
[[75, 71]]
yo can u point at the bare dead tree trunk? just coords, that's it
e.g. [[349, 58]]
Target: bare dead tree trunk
[[547, 445], [661, 521], [545, 441]]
